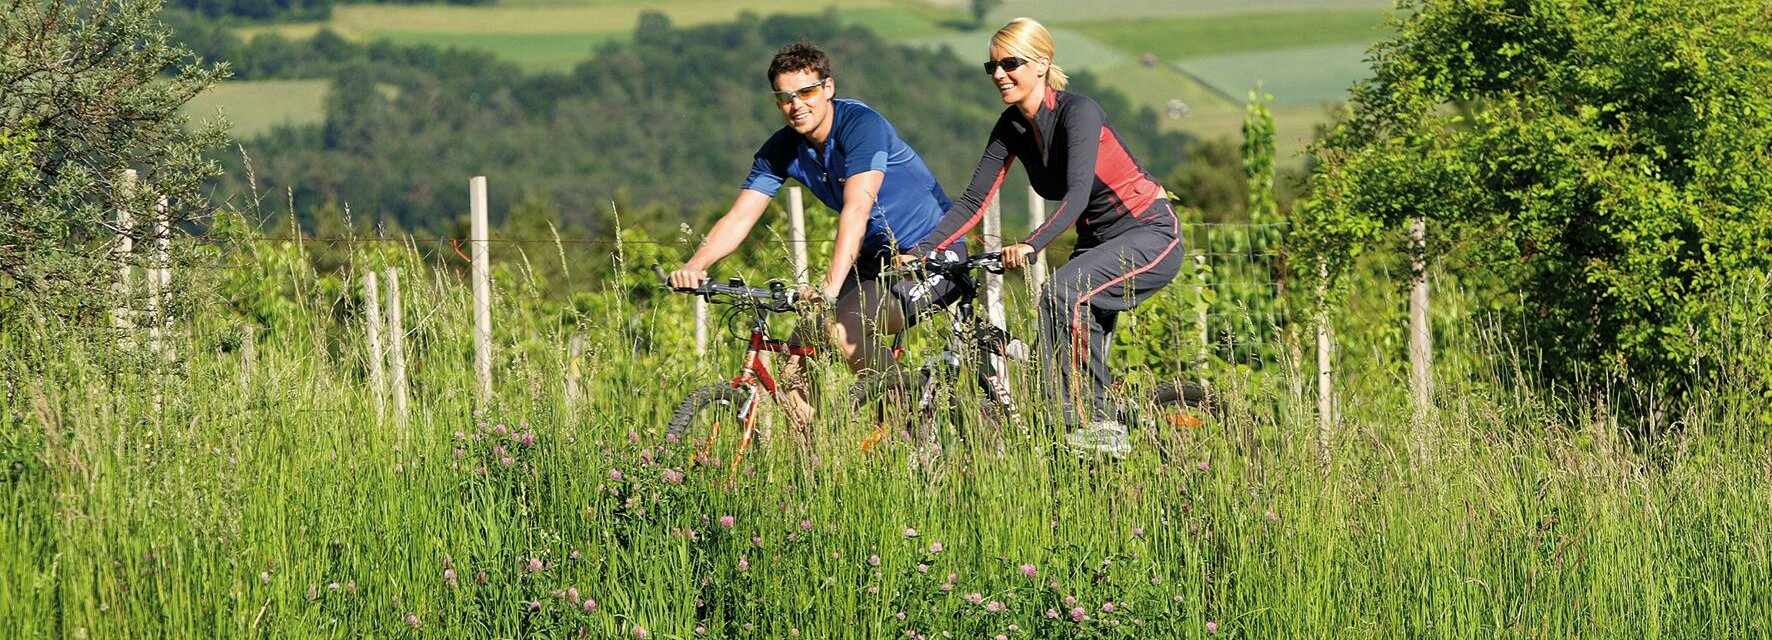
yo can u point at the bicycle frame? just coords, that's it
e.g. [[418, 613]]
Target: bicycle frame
[[754, 374], [984, 338]]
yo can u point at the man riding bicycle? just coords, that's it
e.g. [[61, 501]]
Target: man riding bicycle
[[852, 160]]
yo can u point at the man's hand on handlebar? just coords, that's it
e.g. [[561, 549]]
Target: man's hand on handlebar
[[688, 276]]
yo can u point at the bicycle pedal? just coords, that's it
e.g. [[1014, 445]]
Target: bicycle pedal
[[1185, 421], [879, 433]]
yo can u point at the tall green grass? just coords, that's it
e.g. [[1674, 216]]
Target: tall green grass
[[263, 497]]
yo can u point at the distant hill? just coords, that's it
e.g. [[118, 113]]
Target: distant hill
[[669, 119]]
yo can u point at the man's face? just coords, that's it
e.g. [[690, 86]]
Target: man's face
[[804, 100]]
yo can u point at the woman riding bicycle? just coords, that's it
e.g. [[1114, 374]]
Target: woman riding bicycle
[[1127, 245]]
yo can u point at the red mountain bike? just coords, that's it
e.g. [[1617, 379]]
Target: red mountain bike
[[707, 409]]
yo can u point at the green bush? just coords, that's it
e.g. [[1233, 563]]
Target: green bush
[[1606, 163]]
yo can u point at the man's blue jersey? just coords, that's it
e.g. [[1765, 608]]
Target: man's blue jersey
[[910, 200]]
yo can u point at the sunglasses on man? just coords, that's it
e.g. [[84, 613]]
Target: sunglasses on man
[[805, 93], [1008, 64]]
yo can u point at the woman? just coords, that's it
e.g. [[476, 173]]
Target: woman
[[1127, 247]]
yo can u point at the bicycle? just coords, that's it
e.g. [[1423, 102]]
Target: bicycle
[[736, 399], [1172, 403], [972, 338]]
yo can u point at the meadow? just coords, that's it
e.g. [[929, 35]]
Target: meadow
[[254, 487]]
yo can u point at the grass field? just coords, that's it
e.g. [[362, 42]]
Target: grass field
[[255, 107], [1303, 76], [555, 36], [257, 492], [1174, 39]]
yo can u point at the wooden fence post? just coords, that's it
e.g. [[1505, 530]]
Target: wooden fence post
[[1036, 219], [1421, 347], [1201, 283], [797, 234], [701, 326], [1326, 417], [377, 379], [396, 343], [482, 276], [160, 284], [121, 315], [993, 282], [575, 353]]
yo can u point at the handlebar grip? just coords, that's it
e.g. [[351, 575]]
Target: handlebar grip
[[665, 279]]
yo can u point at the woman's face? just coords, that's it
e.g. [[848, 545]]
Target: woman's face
[[1028, 78]]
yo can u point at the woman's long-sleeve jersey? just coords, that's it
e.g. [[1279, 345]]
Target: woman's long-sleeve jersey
[[1100, 188]]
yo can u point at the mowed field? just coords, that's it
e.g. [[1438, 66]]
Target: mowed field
[[1207, 54]]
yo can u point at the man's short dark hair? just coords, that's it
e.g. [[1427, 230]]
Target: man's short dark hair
[[799, 56]]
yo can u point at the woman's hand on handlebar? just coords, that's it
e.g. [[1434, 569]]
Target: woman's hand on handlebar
[[1015, 256]]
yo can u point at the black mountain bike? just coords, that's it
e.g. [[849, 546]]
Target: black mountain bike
[[973, 342]]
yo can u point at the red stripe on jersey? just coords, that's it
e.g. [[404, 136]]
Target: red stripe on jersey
[[1115, 168]]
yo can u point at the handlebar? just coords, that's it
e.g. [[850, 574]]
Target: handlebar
[[949, 265], [778, 297]]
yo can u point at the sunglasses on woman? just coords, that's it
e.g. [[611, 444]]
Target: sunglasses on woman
[[803, 93], [1010, 63]]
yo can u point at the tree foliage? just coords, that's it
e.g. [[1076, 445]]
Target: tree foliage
[[1604, 162], [89, 88]]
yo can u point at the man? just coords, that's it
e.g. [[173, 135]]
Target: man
[[852, 160]]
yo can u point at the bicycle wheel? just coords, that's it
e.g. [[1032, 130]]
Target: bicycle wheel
[[891, 402], [701, 418], [1182, 404]]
